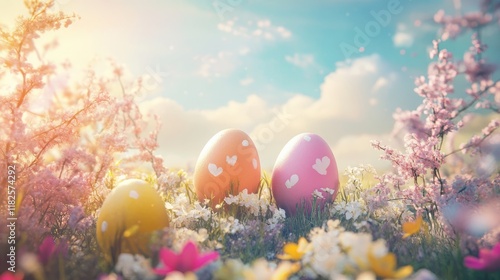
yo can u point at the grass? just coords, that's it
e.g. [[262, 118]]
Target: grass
[[304, 220], [434, 251]]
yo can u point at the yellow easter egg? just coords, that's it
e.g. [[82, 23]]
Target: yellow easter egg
[[129, 215]]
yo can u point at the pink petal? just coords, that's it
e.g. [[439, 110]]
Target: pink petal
[[474, 263], [187, 258], [162, 271], [496, 250], [7, 275], [46, 249], [206, 258], [495, 255], [168, 258], [484, 253], [492, 261]]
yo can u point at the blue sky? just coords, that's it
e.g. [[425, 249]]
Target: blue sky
[[260, 61]]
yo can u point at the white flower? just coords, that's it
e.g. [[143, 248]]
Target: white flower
[[231, 199], [353, 210], [359, 225], [318, 194], [183, 235], [230, 225], [379, 248], [367, 275], [357, 246], [260, 269], [326, 257], [250, 201], [328, 190], [185, 213], [339, 207], [339, 254], [278, 217], [169, 181], [133, 267], [30, 263]]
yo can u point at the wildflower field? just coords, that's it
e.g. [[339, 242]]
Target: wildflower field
[[434, 214]]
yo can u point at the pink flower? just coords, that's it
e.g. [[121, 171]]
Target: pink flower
[[489, 260], [49, 248], [7, 275], [188, 260]]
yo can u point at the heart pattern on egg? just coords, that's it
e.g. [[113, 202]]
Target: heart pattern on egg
[[104, 226], [133, 194], [254, 163], [214, 169], [294, 179], [244, 143], [231, 160], [307, 138], [321, 165]]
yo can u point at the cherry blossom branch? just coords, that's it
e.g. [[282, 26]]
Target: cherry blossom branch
[[475, 142], [472, 102]]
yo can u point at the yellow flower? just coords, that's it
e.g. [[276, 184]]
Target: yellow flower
[[295, 251], [411, 228], [385, 266], [285, 270]]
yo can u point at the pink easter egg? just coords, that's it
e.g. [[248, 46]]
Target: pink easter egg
[[306, 164]]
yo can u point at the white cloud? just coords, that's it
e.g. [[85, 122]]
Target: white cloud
[[300, 60], [261, 29], [379, 84], [251, 36], [217, 65], [402, 38], [344, 92], [246, 81], [354, 150], [244, 51], [343, 102]]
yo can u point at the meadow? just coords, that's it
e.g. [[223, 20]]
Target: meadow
[[432, 215]]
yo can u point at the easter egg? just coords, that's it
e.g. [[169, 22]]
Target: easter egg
[[305, 164], [228, 164], [129, 215]]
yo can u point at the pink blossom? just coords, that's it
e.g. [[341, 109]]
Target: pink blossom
[[64, 152], [425, 129], [7, 275], [488, 260], [187, 260], [477, 70], [49, 248], [455, 25]]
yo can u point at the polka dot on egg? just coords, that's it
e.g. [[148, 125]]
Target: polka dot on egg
[[133, 194], [104, 226], [244, 143]]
